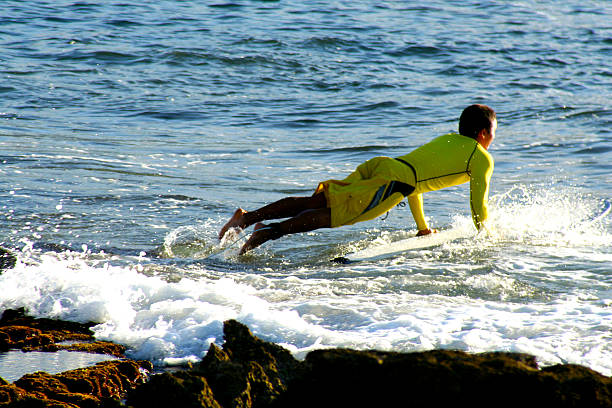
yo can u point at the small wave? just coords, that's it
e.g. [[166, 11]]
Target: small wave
[[539, 147], [541, 215], [301, 123], [335, 43], [375, 106], [103, 56], [249, 58], [350, 149], [83, 7], [8, 115], [229, 5], [63, 20], [195, 242], [594, 150], [418, 51], [550, 62], [184, 115], [258, 41], [589, 113], [123, 23]]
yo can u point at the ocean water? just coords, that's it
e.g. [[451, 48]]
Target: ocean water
[[130, 132]]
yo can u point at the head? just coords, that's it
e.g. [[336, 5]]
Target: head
[[478, 122]]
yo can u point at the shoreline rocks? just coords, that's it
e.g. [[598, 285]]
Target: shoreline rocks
[[103, 385], [7, 259], [247, 372], [18, 331]]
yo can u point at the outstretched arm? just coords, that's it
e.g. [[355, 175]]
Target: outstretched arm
[[416, 207], [482, 169]]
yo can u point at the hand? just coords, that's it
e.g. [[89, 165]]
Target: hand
[[426, 232]]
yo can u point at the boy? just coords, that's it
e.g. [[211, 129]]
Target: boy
[[381, 183]]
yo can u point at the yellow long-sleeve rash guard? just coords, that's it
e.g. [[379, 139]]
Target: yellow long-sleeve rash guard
[[447, 161]]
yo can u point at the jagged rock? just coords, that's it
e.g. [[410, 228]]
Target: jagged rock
[[341, 377], [181, 389], [99, 386], [580, 386], [13, 396], [251, 373], [97, 347], [248, 372], [28, 329], [18, 331], [7, 259], [102, 385], [242, 346], [22, 337]]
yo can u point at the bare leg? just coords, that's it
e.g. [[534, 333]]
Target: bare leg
[[308, 220], [283, 208]]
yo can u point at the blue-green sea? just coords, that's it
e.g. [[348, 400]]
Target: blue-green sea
[[130, 131]]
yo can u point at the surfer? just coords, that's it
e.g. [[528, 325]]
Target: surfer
[[381, 183]]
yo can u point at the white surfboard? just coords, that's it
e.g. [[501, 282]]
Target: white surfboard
[[427, 241], [395, 248]]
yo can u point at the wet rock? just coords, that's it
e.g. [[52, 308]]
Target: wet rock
[[341, 377], [102, 385], [19, 331], [23, 337], [59, 330], [181, 389], [248, 372], [96, 347], [7, 259], [13, 396]]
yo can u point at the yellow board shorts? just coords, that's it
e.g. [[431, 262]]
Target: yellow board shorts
[[370, 191], [360, 200]]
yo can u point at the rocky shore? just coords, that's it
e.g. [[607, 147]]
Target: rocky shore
[[249, 372], [104, 385]]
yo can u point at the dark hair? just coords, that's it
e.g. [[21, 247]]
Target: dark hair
[[474, 118]]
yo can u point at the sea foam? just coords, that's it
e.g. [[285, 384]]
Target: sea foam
[[475, 295]]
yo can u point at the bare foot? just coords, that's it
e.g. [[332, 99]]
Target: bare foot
[[261, 233], [234, 222]]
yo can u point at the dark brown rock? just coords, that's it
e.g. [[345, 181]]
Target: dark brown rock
[[576, 384], [7, 259], [251, 373], [96, 347], [242, 346], [341, 377], [181, 389], [22, 337], [247, 372], [18, 331], [102, 385]]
